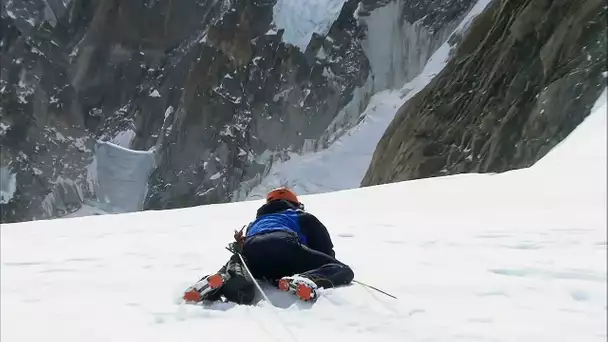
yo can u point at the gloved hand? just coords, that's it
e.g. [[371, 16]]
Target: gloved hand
[[236, 246], [238, 237]]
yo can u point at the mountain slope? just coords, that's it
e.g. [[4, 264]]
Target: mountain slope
[[524, 75], [343, 163], [503, 257], [217, 89]]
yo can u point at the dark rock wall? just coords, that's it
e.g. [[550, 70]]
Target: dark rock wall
[[525, 74]]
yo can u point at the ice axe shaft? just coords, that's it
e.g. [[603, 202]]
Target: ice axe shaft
[[374, 288]]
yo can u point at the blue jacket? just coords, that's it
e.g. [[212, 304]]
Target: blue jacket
[[285, 216]]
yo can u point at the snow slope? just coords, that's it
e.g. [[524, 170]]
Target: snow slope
[[343, 164], [519, 256]]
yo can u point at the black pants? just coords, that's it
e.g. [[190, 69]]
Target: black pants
[[239, 288], [277, 254]]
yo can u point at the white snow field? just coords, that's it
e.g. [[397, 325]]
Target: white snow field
[[518, 256]]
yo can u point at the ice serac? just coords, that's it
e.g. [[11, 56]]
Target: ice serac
[[402, 35], [524, 75], [122, 176], [8, 185], [301, 19]]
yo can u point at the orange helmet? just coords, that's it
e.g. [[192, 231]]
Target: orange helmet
[[282, 193]]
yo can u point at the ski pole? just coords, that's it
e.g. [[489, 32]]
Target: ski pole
[[255, 282], [373, 288]]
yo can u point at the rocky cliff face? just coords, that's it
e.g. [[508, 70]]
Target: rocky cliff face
[[211, 87], [525, 74], [45, 148], [399, 38], [247, 95]]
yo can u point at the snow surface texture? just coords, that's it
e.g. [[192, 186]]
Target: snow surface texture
[[517, 256], [122, 176], [343, 164], [301, 19]]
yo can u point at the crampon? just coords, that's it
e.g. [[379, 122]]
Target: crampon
[[203, 287], [303, 287]]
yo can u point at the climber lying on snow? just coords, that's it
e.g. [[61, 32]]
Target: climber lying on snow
[[284, 245]]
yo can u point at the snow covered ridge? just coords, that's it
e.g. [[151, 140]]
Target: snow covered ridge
[[504, 257]]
